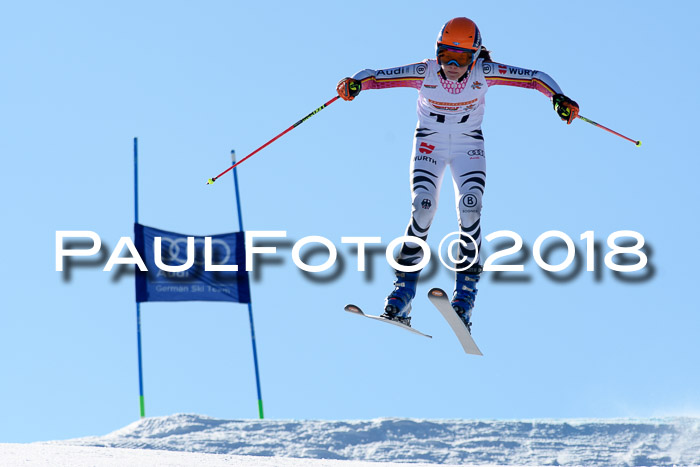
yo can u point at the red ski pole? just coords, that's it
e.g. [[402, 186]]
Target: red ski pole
[[636, 143], [213, 179]]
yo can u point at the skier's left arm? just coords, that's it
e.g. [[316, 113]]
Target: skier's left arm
[[498, 73]]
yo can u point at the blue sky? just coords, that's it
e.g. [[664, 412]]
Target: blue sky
[[193, 81]]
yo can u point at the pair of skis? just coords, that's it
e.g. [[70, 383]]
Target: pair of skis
[[437, 297]]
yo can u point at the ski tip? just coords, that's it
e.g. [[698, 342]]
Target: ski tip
[[353, 309], [437, 292]]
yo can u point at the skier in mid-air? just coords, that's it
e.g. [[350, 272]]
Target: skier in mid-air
[[451, 90]]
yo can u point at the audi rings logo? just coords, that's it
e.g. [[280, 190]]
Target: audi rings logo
[[476, 152], [420, 68], [176, 250]]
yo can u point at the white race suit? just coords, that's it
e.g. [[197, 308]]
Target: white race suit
[[449, 134]]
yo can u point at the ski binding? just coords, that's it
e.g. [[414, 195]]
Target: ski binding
[[356, 310]]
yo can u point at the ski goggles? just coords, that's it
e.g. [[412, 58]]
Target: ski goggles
[[454, 56]]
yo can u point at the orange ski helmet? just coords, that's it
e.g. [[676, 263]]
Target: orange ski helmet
[[460, 34]]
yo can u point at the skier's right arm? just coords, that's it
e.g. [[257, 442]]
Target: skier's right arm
[[408, 76], [349, 88]]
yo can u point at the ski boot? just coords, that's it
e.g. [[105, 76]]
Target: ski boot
[[465, 294], [397, 305]]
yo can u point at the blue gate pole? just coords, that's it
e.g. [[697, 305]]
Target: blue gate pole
[[250, 304], [142, 405]]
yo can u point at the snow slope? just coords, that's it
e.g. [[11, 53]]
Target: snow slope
[[667, 441], [56, 455]]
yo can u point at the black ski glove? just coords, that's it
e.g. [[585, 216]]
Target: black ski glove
[[349, 88], [565, 108]]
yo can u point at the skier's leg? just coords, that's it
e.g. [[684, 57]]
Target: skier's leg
[[469, 175], [428, 164], [427, 169]]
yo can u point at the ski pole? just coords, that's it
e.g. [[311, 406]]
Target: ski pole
[[213, 179], [636, 143]]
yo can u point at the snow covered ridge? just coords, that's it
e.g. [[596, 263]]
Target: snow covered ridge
[[625, 442]]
